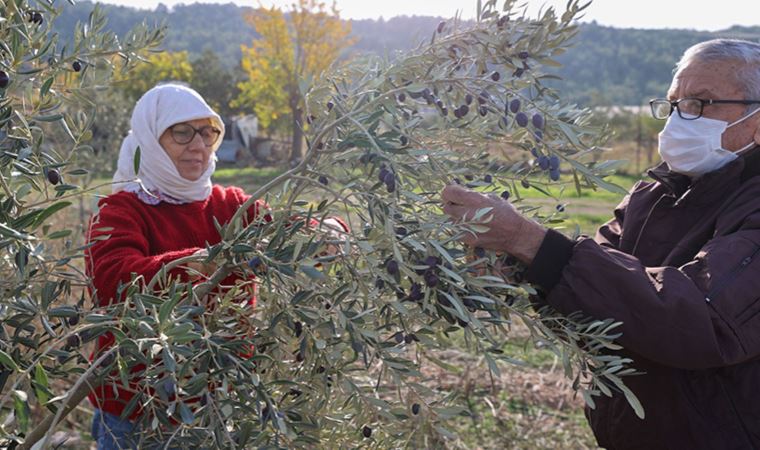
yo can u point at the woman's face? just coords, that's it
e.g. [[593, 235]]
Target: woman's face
[[191, 159]]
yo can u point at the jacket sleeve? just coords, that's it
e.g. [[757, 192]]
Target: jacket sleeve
[[700, 315], [556, 249], [609, 234], [117, 248]]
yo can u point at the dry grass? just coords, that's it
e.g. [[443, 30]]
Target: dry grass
[[524, 407]]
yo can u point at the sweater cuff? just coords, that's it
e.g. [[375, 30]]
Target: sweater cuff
[[553, 255]]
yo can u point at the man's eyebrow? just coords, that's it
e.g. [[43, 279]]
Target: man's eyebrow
[[703, 94]]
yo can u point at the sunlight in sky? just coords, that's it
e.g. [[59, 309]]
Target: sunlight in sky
[[705, 15]]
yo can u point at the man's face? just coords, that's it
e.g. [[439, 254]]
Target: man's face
[[717, 81]]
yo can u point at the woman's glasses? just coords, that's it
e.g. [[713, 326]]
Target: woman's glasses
[[183, 133]]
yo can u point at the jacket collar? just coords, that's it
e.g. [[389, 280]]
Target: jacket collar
[[712, 186], [751, 164], [676, 183]]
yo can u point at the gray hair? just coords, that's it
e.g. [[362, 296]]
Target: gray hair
[[716, 50]]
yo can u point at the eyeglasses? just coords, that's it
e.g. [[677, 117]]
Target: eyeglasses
[[688, 108], [183, 133]]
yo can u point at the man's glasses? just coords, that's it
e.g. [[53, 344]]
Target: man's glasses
[[688, 108], [183, 133]]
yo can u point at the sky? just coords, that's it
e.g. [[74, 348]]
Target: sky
[[693, 14]]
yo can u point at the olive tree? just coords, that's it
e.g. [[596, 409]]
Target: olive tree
[[334, 353], [46, 89]]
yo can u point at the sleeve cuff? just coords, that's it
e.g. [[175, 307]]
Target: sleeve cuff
[[553, 255]]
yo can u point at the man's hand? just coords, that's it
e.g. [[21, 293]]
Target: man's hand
[[508, 230]]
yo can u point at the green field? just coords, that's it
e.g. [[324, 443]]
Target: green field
[[586, 211]]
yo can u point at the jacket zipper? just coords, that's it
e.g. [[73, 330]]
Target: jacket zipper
[[730, 276], [646, 221]]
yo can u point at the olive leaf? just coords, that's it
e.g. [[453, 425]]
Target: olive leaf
[[136, 160]]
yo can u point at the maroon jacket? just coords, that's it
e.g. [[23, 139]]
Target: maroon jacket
[[679, 265]]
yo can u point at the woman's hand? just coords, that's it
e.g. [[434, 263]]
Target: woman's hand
[[199, 269], [508, 230], [335, 232]]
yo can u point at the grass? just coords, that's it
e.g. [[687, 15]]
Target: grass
[[248, 178], [565, 189], [522, 407], [506, 421]]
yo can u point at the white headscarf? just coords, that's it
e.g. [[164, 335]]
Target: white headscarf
[[157, 110]]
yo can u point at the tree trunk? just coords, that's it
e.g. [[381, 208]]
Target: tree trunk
[[296, 152], [639, 143]]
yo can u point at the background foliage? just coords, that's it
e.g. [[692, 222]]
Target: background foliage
[[292, 49], [159, 67], [604, 66]]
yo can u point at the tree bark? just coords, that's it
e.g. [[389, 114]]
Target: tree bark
[[296, 152], [47, 426]]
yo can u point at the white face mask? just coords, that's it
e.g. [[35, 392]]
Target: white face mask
[[694, 147]]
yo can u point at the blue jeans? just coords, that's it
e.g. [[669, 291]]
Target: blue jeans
[[113, 433]]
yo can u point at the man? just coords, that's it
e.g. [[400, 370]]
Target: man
[[679, 264]]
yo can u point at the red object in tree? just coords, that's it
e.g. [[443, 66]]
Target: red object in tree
[[142, 239]]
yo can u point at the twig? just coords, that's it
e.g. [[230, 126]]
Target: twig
[[222, 422], [76, 395], [304, 162], [25, 373], [172, 265], [8, 191]]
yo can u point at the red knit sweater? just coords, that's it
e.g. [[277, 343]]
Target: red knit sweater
[[142, 239]]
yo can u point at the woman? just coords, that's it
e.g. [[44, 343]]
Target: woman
[[165, 211]]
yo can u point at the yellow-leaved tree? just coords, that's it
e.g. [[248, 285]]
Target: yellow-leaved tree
[[163, 66], [294, 47]]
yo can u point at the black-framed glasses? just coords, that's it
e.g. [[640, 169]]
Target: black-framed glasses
[[688, 108], [184, 133]]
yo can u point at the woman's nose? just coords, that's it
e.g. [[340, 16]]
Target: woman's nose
[[197, 143]]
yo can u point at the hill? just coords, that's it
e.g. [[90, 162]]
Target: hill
[[606, 66]]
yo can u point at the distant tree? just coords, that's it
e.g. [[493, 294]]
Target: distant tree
[[194, 27], [164, 66], [205, 73], [293, 48], [114, 106], [110, 125], [217, 84]]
